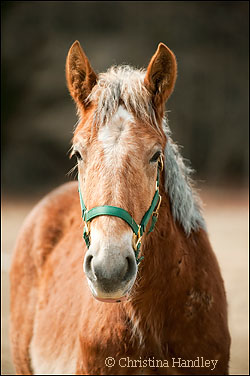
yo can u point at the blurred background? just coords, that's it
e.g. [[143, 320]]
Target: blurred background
[[208, 114]]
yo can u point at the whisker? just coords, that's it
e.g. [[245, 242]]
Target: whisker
[[70, 150], [70, 172]]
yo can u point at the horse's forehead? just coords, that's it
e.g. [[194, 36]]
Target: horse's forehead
[[121, 117], [118, 126], [123, 130], [117, 137]]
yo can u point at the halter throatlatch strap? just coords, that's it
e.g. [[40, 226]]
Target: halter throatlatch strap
[[114, 211]]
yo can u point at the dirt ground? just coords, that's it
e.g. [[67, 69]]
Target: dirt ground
[[226, 213]]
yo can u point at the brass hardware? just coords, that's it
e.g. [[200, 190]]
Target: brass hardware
[[156, 211], [87, 228], [137, 239], [161, 162]]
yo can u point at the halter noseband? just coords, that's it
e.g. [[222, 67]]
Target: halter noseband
[[138, 230]]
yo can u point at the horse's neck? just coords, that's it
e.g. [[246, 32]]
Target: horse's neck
[[163, 249], [162, 274]]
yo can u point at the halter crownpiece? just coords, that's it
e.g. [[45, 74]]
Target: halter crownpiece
[[138, 230]]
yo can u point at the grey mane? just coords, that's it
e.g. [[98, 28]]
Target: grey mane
[[185, 202], [124, 85]]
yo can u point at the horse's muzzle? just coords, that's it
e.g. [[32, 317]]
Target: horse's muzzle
[[110, 273]]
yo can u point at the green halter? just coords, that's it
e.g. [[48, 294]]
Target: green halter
[[114, 211]]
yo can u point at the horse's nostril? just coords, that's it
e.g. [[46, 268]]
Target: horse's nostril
[[129, 262], [88, 267], [131, 268], [88, 262]]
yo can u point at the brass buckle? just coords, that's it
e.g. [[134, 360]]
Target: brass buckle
[[87, 228], [156, 211], [156, 186], [137, 238], [161, 162]]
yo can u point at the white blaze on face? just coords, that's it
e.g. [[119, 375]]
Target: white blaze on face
[[116, 141], [115, 136], [108, 240]]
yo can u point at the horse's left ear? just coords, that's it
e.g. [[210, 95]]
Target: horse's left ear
[[161, 74], [81, 78]]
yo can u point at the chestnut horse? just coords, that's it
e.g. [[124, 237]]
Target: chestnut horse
[[169, 311]]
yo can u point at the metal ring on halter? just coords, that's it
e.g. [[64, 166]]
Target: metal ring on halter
[[161, 162], [87, 228], [156, 211], [137, 238]]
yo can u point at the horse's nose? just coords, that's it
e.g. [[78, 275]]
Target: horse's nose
[[110, 271]]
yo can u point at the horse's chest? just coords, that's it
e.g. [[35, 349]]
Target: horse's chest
[[55, 363], [114, 348]]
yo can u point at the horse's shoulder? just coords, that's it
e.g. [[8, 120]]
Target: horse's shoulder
[[57, 207], [47, 223], [60, 202]]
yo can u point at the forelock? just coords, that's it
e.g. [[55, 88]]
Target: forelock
[[122, 85]]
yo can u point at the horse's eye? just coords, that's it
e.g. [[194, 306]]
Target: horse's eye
[[77, 155], [155, 156]]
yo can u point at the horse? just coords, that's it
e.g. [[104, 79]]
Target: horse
[[150, 298]]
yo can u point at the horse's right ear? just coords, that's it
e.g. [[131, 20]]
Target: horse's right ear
[[161, 74], [79, 74]]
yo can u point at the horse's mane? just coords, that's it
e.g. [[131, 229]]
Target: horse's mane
[[124, 85], [185, 201]]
